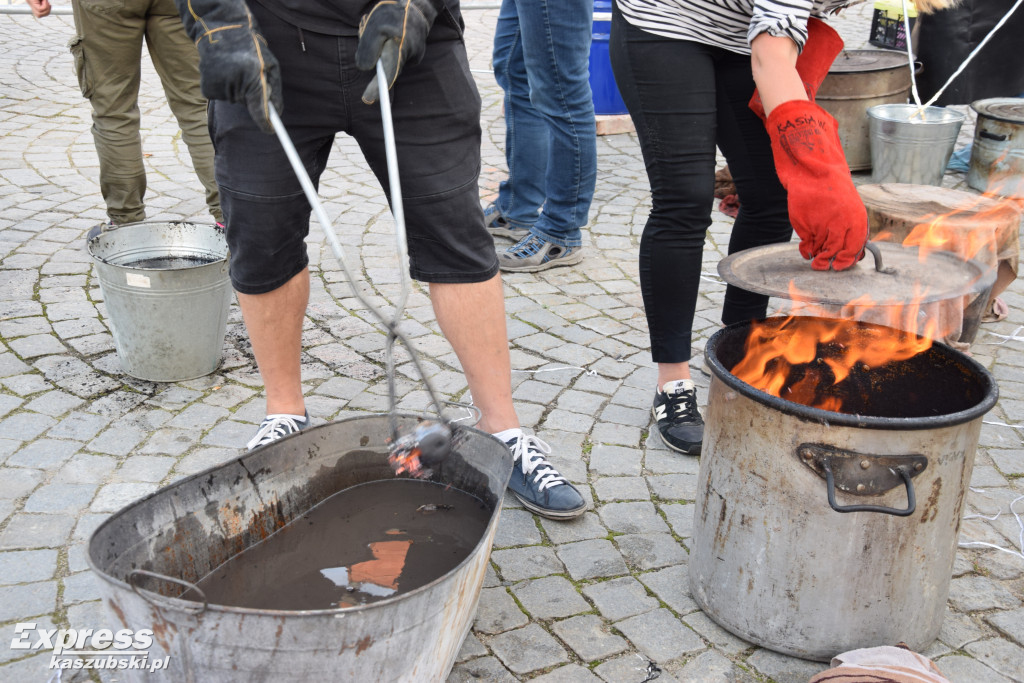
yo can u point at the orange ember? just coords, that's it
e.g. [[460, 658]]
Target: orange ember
[[803, 358], [407, 460]]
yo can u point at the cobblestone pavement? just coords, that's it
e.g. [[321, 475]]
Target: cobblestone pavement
[[595, 599]]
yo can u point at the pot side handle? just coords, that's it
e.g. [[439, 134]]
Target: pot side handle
[[863, 475]]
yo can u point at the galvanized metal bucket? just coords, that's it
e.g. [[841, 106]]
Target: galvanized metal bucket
[[154, 550], [911, 144], [167, 293]]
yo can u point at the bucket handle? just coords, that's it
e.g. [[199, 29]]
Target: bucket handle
[[163, 577], [863, 475], [877, 253]]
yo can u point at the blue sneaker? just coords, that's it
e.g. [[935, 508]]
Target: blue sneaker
[[276, 427], [533, 253], [499, 226], [537, 485]]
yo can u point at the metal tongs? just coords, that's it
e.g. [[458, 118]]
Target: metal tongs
[[430, 441]]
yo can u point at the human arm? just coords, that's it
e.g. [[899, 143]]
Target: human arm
[[234, 62], [40, 8]]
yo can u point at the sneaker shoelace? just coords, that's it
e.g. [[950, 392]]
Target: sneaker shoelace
[[681, 405], [527, 247], [530, 451], [273, 428]]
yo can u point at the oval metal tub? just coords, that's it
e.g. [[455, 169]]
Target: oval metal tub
[[185, 530]]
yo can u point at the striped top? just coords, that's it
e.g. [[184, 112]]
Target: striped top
[[729, 24]]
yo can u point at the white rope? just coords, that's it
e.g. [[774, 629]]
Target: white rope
[[1002, 424], [910, 55], [562, 367], [1006, 337], [1020, 540]]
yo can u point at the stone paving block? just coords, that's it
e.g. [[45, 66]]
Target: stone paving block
[[615, 434], [168, 441], [610, 489], [8, 635], [10, 365], [650, 551], [27, 566], [535, 391], [471, 648], [782, 668], [27, 600], [79, 426], [526, 563], [119, 439], [515, 528], [228, 395], [81, 587], [1010, 623], [113, 497], [22, 385], [672, 586], [720, 638], [60, 498], [86, 524], [550, 597], [117, 403], [974, 593], [632, 518], [1005, 657], [528, 649], [230, 434], [1008, 461], [674, 486], [25, 426], [144, 468], [584, 527], [482, 669], [634, 417], [568, 421], [620, 598], [634, 667], [174, 398], [615, 461], [570, 673], [961, 669], [77, 561], [580, 401], [665, 461], [710, 667], [37, 345], [8, 403], [592, 559], [44, 453], [36, 531], [53, 403], [16, 482], [985, 476], [680, 518], [660, 635], [198, 416], [85, 469], [960, 629], [589, 637], [204, 458]]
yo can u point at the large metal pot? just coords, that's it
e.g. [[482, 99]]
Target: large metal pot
[[818, 532], [152, 551]]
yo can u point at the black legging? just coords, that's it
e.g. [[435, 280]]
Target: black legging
[[684, 98]]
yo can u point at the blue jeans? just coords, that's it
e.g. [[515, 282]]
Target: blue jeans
[[541, 61]]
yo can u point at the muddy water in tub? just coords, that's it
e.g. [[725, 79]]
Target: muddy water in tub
[[359, 546]]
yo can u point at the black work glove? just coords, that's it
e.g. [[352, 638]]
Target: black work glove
[[395, 32], [234, 62]]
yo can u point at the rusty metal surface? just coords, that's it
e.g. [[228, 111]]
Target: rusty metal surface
[[773, 564], [997, 154], [187, 529]]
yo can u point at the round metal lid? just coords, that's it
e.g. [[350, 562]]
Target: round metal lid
[[1009, 109], [779, 270], [854, 61]]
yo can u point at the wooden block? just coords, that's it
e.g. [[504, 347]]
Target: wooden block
[[612, 124]]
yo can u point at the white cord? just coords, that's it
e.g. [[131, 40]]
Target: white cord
[[910, 55], [1020, 539]]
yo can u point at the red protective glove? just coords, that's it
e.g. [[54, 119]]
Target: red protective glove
[[821, 49], [824, 207]]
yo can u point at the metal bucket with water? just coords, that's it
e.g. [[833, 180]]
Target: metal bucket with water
[[152, 552], [167, 293], [911, 144]]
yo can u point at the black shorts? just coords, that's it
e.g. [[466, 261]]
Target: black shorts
[[436, 113]]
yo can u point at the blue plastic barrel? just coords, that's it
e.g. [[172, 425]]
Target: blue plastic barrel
[[607, 99]]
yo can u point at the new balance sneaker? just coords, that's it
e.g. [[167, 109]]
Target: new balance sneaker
[[677, 418], [533, 253], [537, 485], [499, 226], [276, 427]]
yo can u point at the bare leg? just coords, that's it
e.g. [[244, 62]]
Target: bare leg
[[669, 372], [274, 321], [472, 317]]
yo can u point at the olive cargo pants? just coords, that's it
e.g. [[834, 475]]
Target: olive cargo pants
[[107, 51]]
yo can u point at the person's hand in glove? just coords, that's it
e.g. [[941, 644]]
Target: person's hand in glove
[[395, 32], [234, 62], [824, 207], [821, 49]]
